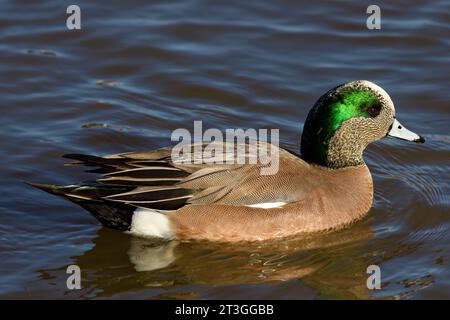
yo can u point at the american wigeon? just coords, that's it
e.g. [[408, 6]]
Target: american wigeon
[[328, 187]]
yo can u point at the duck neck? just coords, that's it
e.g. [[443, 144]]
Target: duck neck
[[341, 150], [343, 155]]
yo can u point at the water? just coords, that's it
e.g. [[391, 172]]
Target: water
[[136, 71]]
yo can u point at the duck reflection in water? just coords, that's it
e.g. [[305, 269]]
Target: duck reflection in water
[[322, 262]]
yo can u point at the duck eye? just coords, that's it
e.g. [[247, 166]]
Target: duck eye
[[374, 110]]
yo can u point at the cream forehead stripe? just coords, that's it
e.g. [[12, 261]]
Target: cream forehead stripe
[[378, 89]]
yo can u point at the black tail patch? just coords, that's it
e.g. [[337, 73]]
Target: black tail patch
[[111, 214], [129, 180]]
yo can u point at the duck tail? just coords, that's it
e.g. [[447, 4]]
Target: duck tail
[[111, 214]]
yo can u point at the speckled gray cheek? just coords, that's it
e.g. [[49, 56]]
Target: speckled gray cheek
[[346, 147]]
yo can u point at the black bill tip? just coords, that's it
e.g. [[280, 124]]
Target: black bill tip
[[420, 140]]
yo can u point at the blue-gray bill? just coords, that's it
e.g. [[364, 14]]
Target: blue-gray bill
[[400, 132]]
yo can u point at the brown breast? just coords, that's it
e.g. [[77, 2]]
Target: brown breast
[[335, 199]]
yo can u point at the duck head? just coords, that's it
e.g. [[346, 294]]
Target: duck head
[[345, 120]]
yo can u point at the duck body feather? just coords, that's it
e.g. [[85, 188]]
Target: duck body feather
[[220, 202]]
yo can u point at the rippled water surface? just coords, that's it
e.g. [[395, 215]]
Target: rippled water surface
[[137, 71]]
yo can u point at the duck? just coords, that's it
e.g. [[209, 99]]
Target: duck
[[327, 187]]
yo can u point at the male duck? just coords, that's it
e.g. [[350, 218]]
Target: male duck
[[329, 187]]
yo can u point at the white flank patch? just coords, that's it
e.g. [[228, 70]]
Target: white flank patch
[[151, 223], [267, 205]]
